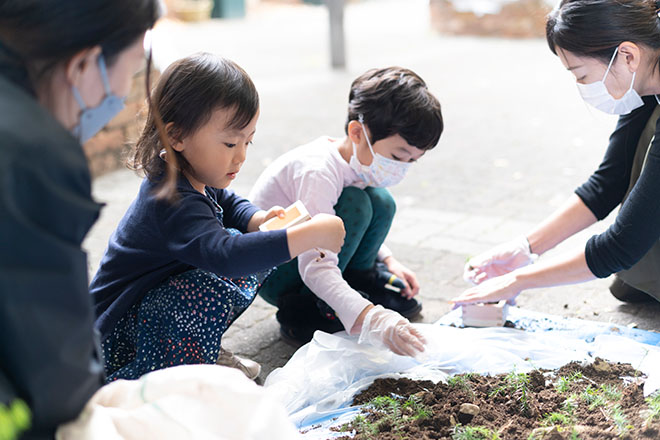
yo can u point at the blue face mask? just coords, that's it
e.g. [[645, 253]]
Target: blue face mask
[[94, 119]]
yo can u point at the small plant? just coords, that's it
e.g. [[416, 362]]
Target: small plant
[[385, 404], [653, 401], [462, 382], [461, 432], [518, 385], [557, 418], [564, 382], [592, 398], [570, 404], [622, 424], [611, 392], [417, 410]]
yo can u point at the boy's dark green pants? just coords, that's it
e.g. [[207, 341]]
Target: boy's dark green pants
[[367, 215]]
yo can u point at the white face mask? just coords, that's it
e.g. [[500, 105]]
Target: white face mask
[[598, 96], [382, 172]]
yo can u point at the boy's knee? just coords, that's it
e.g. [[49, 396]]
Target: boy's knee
[[354, 207], [382, 202]]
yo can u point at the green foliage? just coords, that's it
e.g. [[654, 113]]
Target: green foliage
[[622, 424], [461, 432], [14, 419], [611, 392], [570, 404], [518, 385], [653, 401], [462, 381], [564, 382], [390, 415], [557, 418], [593, 398]]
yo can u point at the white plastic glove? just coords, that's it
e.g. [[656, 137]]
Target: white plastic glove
[[498, 261], [386, 328]]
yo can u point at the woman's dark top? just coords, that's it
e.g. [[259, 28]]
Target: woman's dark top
[[47, 341], [637, 226]]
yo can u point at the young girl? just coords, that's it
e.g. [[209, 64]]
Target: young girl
[[178, 272]]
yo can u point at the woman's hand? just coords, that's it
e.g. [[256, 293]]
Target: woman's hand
[[386, 328], [406, 275], [507, 287], [498, 261]]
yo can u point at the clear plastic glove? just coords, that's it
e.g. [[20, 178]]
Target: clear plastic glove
[[498, 261], [386, 328]]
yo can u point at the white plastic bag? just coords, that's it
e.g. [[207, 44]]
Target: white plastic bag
[[185, 402]]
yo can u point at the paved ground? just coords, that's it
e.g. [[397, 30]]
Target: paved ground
[[518, 140]]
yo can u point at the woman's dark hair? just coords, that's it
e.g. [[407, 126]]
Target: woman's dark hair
[[594, 28], [38, 35], [187, 94], [395, 101]]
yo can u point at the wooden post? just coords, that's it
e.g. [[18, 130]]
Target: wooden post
[[337, 43]]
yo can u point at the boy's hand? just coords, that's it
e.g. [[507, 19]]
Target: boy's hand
[[407, 276]]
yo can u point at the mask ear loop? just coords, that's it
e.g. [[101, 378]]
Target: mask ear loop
[[366, 136], [610, 65], [106, 84]]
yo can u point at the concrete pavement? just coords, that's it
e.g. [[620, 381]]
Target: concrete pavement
[[518, 140]]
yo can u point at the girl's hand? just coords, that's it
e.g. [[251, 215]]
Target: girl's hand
[[261, 217], [406, 275], [495, 289], [275, 211], [329, 232]]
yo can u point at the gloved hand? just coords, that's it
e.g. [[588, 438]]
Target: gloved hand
[[498, 261], [386, 328]]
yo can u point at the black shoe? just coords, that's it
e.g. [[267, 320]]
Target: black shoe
[[301, 314], [384, 288], [627, 293]]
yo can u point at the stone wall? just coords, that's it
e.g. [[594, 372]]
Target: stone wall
[[108, 150], [517, 19]]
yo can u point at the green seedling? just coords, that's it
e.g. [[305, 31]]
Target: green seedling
[[570, 404], [564, 382], [461, 432], [653, 401], [622, 424], [14, 419], [611, 392], [417, 410], [385, 404], [557, 418], [462, 382], [518, 385], [593, 398]]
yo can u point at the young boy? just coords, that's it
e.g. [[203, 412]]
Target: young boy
[[393, 119]]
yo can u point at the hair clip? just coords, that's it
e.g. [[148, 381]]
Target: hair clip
[[361, 118]]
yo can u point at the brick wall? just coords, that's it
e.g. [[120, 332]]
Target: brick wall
[[519, 19], [108, 150]]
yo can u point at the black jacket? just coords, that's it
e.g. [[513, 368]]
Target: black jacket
[[47, 344]]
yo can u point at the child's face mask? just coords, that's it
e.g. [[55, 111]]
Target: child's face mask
[[598, 96], [382, 172], [94, 119]]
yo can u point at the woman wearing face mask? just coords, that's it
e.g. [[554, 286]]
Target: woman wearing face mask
[[65, 67], [613, 49]]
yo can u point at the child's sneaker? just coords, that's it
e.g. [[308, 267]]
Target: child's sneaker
[[228, 359], [384, 288]]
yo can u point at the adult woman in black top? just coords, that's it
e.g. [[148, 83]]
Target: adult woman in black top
[[613, 49], [64, 68]]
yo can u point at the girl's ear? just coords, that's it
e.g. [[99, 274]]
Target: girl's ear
[[174, 136], [355, 132]]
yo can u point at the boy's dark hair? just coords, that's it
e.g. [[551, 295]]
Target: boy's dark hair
[[395, 101], [187, 94], [594, 28]]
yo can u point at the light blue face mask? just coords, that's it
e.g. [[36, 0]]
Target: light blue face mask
[[92, 120]]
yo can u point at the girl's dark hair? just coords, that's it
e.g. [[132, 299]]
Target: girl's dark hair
[[38, 35], [594, 28], [187, 94], [395, 101]]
